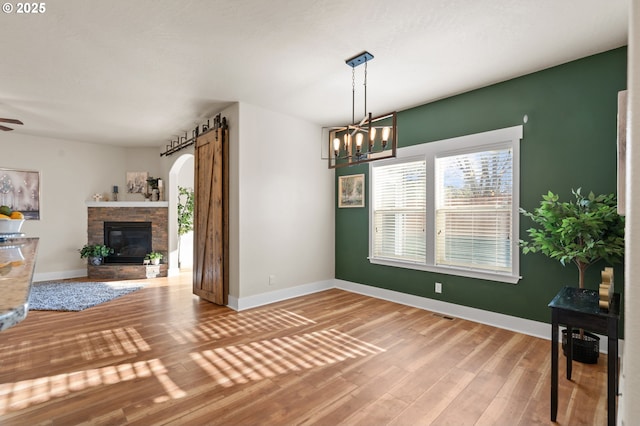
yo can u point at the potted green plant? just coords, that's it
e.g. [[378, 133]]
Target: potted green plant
[[582, 231], [185, 214], [154, 257], [95, 253]]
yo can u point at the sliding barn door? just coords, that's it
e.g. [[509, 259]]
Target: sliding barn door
[[211, 215]]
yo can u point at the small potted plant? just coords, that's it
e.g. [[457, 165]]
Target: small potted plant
[[95, 253], [154, 257]]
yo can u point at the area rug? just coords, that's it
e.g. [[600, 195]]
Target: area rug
[[76, 296]]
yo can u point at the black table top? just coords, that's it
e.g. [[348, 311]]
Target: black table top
[[584, 301]]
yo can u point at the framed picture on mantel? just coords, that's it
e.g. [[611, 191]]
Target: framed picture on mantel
[[137, 182], [20, 190]]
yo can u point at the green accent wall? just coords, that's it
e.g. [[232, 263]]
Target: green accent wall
[[569, 142]]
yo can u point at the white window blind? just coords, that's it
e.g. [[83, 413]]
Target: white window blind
[[473, 210], [399, 211]]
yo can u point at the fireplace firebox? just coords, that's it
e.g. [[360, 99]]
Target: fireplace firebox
[[130, 241]]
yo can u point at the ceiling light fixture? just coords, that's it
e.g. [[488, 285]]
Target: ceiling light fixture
[[347, 143]]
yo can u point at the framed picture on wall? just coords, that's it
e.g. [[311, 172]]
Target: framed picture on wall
[[622, 148], [20, 190], [137, 182], [351, 191]]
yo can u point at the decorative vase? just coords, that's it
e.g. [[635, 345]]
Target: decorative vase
[[95, 260], [155, 261]]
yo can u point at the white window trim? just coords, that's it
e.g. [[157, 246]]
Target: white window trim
[[509, 136]]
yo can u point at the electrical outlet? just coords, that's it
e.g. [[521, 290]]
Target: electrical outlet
[[272, 280], [438, 287]]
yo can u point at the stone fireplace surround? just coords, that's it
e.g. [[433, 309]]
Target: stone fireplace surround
[[127, 211]]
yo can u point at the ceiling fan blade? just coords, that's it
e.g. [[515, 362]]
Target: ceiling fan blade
[[6, 129], [11, 120]]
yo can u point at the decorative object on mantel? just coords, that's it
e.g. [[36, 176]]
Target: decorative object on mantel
[[160, 190], [182, 142], [115, 192], [606, 289], [380, 133], [95, 253], [137, 182], [152, 192], [97, 197]]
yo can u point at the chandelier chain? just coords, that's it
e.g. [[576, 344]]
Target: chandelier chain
[[353, 95], [365, 89]]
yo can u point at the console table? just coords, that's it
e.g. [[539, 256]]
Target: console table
[[579, 308]]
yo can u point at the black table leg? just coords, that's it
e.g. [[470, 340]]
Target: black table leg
[[554, 365], [612, 372], [569, 351]]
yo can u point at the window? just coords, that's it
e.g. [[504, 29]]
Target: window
[[473, 209], [399, 206], [449, 206]]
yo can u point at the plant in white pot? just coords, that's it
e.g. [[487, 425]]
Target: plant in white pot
[[95, 253], [581, 231], [154, 257]]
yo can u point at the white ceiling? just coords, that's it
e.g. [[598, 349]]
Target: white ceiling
[[137, 73]]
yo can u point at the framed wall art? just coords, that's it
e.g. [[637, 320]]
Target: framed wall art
[[20, 190], [622, 149], [351, 191], [137, 182]]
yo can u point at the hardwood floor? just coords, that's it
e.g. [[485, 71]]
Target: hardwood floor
[[162, 356]]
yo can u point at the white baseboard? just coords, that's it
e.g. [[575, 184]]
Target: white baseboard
[[525, 326], [507, 322], [61, 275], [240, 304]]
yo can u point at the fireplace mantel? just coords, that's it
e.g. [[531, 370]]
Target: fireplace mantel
[[127, 203]]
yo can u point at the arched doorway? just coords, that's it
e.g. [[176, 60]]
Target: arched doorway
[[180, 174]]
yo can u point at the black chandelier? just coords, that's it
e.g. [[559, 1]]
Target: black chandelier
[[347, 143]]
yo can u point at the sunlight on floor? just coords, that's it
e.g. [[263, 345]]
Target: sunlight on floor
[[258, 360], [20, 395], [236, 324]]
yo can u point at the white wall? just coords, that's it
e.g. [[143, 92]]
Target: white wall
[[232, 114], [285, 207], [70, 173], [630, 385], [281, 198]]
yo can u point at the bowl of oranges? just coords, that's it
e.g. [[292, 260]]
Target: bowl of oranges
[[10, 221]]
